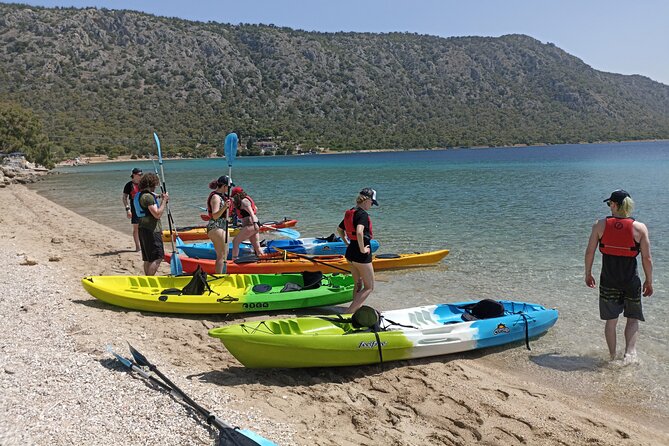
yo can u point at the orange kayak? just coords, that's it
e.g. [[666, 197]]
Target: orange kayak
[[298, 263], [191, 233]]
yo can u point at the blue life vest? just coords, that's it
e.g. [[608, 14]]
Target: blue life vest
[[139, 210]]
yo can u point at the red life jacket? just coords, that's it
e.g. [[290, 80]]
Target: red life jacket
[[135, 189], [618, 238], [350, 227], [209, 211], [239, 211]]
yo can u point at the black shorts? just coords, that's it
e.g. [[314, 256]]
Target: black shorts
[[627, 300], [353, 254], [134, 219], [152, 245]]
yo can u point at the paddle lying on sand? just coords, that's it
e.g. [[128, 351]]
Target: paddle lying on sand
[[289, 253], [230, 150], [175, 262], [228, 435]]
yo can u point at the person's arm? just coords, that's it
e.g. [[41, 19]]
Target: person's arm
[[126, 203], [246, 205], [222, 206], [342, 233], [360, 232], [646, 259], [590, 254], [157, 211]]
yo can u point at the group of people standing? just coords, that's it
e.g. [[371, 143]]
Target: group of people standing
[[224, 198], [145, 208], [619, 237]]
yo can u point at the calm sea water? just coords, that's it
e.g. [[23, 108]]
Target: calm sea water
[[515, 219]]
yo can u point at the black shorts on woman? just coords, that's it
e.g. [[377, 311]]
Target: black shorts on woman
[[353, 253]]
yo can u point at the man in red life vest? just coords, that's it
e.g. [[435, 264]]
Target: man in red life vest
[[620, 239], [129, 191]]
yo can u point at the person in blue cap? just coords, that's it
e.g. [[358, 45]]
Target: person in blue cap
[[356, 231], [620, 239]]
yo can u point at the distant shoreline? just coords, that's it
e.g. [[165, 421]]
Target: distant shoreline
[[84, 160]]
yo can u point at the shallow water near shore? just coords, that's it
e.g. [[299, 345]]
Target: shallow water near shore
[[515, 219]]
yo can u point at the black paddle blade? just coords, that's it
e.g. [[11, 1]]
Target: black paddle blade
[[139, 358], [233, 437]]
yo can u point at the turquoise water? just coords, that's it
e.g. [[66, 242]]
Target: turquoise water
[[515, 219]]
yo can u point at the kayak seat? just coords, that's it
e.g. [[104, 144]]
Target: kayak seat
[[483, 309]]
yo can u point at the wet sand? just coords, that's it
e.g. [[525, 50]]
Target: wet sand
[[59, 386]]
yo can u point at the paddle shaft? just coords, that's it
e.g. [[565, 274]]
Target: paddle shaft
[[210, 417], [230, 150], [310, 258], [231, 433]]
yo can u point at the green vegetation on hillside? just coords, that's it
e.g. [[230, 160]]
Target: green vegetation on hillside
[[101, 81]]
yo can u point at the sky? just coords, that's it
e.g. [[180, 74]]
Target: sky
[[619, 36]]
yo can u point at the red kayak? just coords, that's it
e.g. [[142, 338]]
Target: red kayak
[[200, 232]]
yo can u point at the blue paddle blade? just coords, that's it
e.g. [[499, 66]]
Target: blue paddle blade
[[160, 155], [175, 265], [262, 441], [230, 148], [290, 233]]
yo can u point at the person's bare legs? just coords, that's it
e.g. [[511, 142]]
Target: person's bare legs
[[218, 238], [135, 235], [631, 336], [150, 268], [244, 234], [366, 272], [610, 335], [255, 242]]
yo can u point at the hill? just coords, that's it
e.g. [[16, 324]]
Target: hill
[[102, 80]]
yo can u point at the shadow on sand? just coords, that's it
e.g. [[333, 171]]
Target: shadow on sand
[[113, 253], [563, 363]]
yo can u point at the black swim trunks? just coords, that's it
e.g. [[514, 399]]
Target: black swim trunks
[[627, 300], [152, 245]]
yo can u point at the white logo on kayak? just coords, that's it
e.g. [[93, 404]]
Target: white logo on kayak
[[501, 328], [371, 344]]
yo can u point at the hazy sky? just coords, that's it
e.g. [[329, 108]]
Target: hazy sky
[[628, 37]]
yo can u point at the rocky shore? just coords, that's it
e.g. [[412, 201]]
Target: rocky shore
[[16, 169]]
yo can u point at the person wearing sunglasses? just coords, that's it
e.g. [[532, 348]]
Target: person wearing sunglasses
[[129, 191], [620, 239]]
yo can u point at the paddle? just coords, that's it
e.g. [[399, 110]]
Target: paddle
[[175, 263], [288, 232], [230, 150], [228, 435], [311, 258]]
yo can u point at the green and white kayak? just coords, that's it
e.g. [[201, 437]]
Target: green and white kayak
[[326, 341]]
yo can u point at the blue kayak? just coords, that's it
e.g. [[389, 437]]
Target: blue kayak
[[318, 246]]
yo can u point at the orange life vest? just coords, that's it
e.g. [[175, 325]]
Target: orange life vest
[[618, 238]]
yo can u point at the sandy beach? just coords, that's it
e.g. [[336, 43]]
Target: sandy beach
[[60, 387]]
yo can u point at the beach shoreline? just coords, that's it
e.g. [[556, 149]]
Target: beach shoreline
[[61, 387]]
